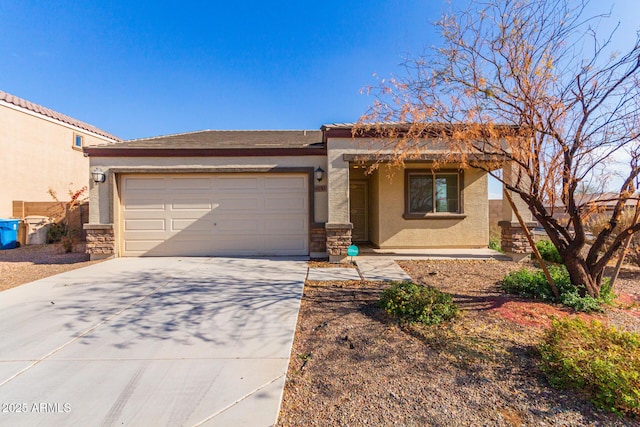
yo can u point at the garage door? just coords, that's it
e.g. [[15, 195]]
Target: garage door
[[218, 214]]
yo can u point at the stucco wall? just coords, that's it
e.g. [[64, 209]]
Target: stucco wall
[[495, 213], [37, 154], [102, 212], [396, 232], [387, 227]]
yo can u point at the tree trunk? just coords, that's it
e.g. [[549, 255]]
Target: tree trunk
[[581, 276]]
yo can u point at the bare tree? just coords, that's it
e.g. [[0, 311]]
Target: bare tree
[[529, 85]]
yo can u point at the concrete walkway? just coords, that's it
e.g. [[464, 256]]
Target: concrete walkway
[[150, 342], [384, 269]]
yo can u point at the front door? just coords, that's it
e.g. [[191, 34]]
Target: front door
[[358, 200]]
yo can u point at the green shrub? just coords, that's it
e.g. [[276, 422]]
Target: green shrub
[[494, 243], [417, 303], [600, 361], [533, 284], [586, 303], [548, 251]]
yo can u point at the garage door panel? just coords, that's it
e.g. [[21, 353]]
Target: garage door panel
[[288, 224], [141, 246], [144, 225], [280, 245], [287, 183], [288, 203], [144, 205], [192, 225], [243, 215], [237, 204], [147, 235], [203, 205], [144, 184], [190, 184], [236, 183], [237, 225]]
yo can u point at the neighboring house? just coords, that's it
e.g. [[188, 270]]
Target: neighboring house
[[275, 193], [41, 149], [592, 204]]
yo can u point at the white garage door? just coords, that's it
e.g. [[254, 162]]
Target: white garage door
[[225, 214]]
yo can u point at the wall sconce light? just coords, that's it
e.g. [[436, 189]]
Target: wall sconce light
[[98, 176], [319, 173]]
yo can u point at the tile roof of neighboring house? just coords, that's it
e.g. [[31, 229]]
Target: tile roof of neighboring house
[[226, 139], [27, 105]]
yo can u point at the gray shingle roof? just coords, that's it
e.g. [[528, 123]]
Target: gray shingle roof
[[228, 139], [27, 105]]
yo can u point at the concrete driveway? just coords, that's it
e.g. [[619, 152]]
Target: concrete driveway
[[150, 342]]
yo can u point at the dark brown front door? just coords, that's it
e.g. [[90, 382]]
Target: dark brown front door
[[358, 200]]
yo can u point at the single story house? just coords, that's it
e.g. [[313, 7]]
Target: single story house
[[42, 150], [273, 193]]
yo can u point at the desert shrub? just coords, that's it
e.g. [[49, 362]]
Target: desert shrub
[[56, 231], [416, 303], [533, 284], [60, 230], [548, 251], [595, 359]]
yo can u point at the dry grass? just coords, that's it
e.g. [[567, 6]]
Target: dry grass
[[353, 365]]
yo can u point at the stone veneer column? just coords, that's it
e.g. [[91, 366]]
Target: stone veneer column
[[338, 241], [318, 244], [513, 240], [101, 242]]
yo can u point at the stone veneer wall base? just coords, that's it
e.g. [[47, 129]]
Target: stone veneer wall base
[[513, 240], [318, 241], [101, 242], [338, 241]]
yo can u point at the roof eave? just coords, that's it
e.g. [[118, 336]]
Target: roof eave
[[394, 130], [202, 152]]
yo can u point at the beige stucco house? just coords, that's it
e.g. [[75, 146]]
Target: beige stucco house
[[276, 193], [42, 149]]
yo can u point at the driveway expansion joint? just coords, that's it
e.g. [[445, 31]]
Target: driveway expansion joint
[[245, 397]]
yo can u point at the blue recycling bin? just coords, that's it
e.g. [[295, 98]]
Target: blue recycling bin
[[9, 233]]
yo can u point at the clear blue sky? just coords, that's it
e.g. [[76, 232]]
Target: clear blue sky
[[139, 69]]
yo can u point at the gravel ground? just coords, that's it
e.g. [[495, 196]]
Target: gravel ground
[[353, 365], [33, 262]]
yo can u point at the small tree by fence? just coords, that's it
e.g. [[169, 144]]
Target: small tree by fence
[[63, 229]]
